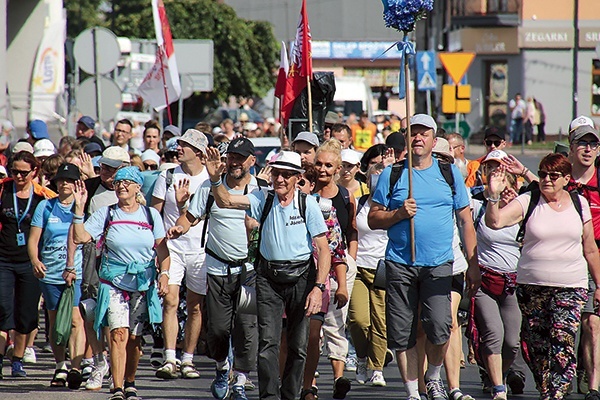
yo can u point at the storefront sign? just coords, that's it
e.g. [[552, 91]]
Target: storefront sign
[[485, 40], [546, 38], [353, 50], [589, 37]]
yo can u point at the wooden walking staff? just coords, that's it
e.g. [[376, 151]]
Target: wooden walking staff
[[413, 252]]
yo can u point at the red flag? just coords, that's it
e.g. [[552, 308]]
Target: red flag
[[164, 72], [301, 64], [284, 67]]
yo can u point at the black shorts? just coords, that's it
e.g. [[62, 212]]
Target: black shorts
[[458, 283]]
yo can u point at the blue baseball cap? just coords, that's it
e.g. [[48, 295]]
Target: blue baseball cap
[[38, 129], [87, 121]]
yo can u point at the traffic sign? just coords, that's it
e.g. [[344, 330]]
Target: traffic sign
[[463, 127], [97, 51], [110, 102], [426, 75], [456, 64], [456, 99]]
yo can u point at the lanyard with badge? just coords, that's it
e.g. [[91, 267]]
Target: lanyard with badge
[[21, 235]]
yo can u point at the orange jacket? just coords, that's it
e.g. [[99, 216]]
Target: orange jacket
[[472, 168], [37, 189]]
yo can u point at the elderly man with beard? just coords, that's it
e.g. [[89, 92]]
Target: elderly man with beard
[[227, 269]]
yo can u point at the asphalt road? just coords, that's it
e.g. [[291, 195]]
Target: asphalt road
[[36, 385]]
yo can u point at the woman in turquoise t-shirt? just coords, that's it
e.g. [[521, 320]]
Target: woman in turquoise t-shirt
[[134, 244], [47, 248]]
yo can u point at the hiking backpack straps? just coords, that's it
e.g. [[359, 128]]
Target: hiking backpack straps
[[267, 208], [361, 202], [109, 219], [211, 200], [535, 198], [445, 169]]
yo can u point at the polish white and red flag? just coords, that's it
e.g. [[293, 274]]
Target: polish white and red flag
[[301, 64], [284, 67], [161, 86]]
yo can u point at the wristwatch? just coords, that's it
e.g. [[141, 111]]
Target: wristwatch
[[165, 272], [321, 286]]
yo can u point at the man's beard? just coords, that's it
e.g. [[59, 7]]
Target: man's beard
[[237, 174]]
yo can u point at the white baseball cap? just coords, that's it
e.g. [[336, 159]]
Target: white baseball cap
[[43, 148], [582, 120]]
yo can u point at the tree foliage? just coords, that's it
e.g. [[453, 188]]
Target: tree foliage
[[245, 52]]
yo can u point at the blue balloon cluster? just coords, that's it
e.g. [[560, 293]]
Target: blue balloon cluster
[[403, 14]]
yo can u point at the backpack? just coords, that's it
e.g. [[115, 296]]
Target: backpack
[[211, 200], [535, 198], [108, 222], [361, 202], [445, 169], [254, 246]]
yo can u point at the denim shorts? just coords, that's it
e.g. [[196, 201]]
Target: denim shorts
[[52, 293]]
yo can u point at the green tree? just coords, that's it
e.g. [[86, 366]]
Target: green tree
[[245, 52]]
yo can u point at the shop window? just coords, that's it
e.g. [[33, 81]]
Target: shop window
[[596, 87]]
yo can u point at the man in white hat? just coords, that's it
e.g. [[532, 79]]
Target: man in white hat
[[426, 280], [171, 197], [286, 276], [228, 267]]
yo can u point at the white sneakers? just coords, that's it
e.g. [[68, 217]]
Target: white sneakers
[[377, 379]]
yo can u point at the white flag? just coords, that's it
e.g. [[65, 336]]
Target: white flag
[[162, 86]]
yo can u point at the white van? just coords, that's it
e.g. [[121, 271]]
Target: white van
[[352, 94]]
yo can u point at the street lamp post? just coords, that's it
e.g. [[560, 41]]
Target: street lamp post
[[575, 56]]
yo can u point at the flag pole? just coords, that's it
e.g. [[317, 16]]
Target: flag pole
[[409, 153], [310, 113], [166, 89]]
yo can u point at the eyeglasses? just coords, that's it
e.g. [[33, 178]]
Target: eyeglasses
[[125, 183], [152, 167], [585, 144], [496, 143], [552, 175], [121, 131], [285, 174], [108, 168], [19, 172]]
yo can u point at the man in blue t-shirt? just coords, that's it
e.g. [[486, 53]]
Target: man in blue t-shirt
[[285, 277], [425, 280]]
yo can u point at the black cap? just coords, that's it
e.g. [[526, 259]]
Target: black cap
[[396, 141], [67, 171], [241, 146], [495, 131]]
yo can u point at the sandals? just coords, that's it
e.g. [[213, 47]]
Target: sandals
[[59, 379], [312, 391], [74, 379]]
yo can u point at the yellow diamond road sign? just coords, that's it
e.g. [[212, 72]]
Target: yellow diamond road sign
[[456, 64]]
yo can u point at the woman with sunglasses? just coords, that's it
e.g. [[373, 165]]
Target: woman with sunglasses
[[133, 236], [335, 201], [19, 288], [552, 274], [47, 248]]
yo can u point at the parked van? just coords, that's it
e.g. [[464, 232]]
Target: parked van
[[352, 94]]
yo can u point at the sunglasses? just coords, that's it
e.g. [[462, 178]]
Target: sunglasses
[[302, 182], [19, 172], [285, 174], [125, 183], [552, 175], [152, 167], [493, 142], [585, 144]]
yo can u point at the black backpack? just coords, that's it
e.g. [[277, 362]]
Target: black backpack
[[211, 200], [445, 169], [535, 198]]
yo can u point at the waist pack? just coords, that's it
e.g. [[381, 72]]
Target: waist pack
[[496, 283], [284, 272]]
